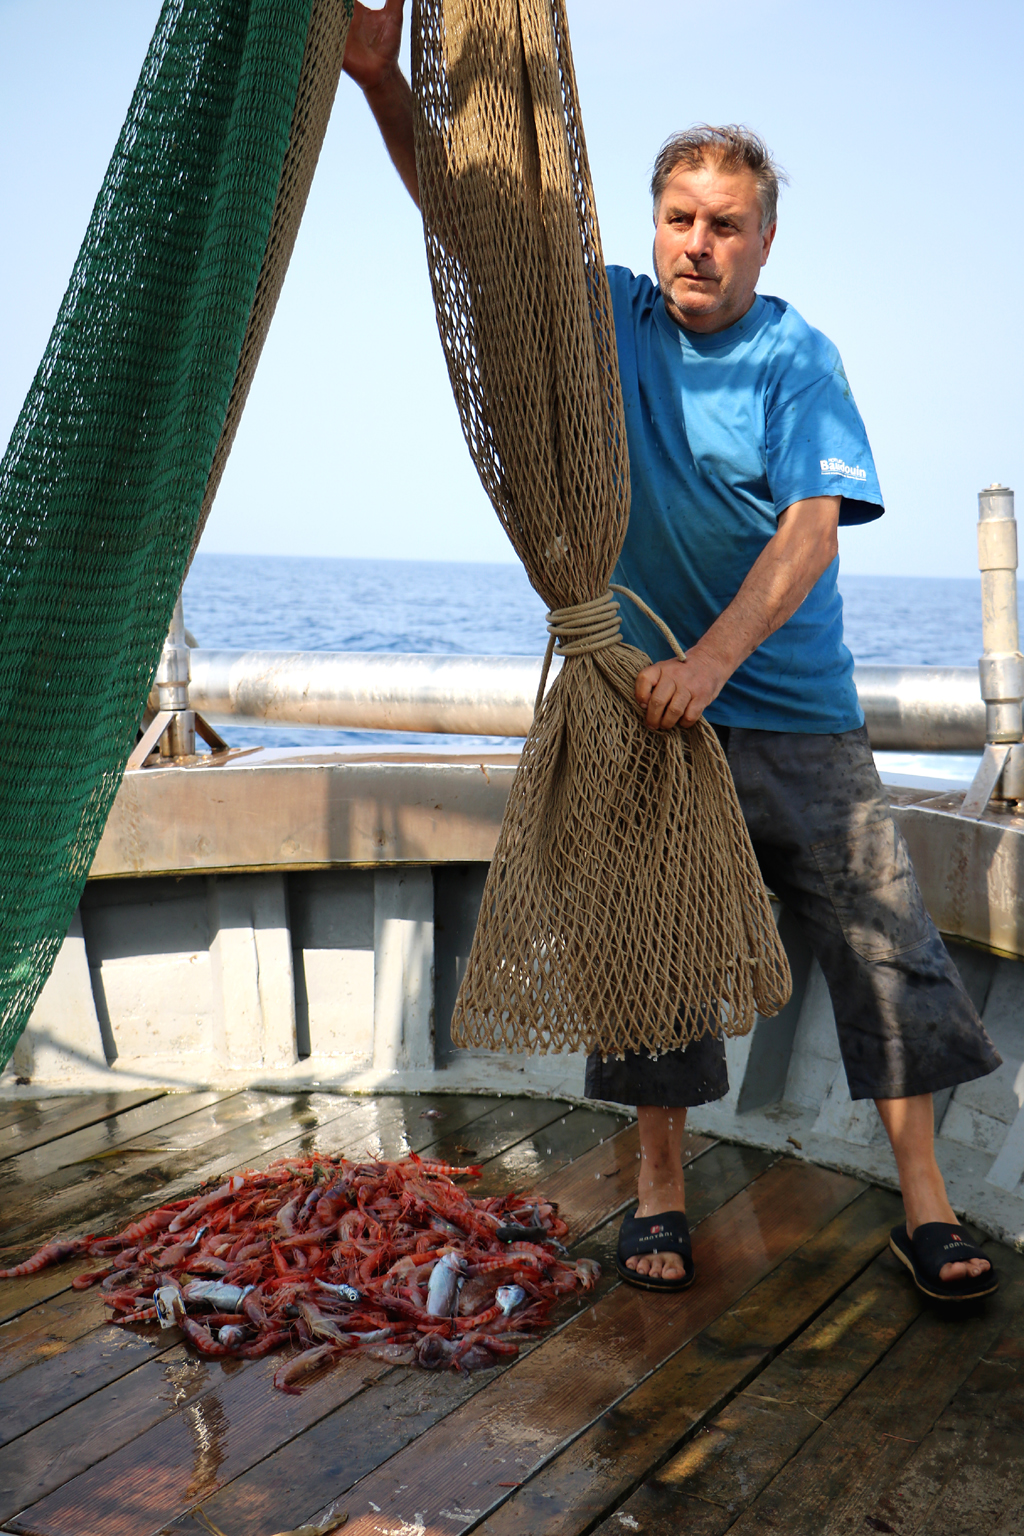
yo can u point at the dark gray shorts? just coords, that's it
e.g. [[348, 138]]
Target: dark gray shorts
[[830, 851]]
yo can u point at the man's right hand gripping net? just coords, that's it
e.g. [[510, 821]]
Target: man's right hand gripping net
[[624, 908]]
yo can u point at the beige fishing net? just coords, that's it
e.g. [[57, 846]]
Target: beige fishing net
[[623, 908]]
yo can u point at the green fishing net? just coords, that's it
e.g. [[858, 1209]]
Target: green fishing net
[[105, 478]]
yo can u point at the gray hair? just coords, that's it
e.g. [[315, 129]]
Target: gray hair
[[730, 148]]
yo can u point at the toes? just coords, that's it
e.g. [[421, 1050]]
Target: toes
[[968, 1269], [658, 1266]]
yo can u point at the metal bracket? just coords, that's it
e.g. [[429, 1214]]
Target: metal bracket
[[158, 727], [990, 768]]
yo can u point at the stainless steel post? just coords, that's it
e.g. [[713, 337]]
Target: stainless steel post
[[172, 679], [1001, 666]]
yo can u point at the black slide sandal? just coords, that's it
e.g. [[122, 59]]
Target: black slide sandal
[[666, 1233], [936, 1243]]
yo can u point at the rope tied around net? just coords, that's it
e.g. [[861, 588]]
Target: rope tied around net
[[593, 626], [623, 908]]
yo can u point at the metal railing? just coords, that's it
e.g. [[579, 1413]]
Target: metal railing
[[914, 709]]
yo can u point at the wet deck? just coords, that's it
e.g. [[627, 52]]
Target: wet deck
[[801, 1387]]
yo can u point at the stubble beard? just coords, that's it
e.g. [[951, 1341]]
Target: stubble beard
[[675, 309]]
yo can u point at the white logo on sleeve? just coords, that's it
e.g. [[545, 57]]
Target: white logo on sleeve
[[840, 467]]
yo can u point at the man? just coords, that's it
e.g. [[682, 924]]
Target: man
[[746, 452]]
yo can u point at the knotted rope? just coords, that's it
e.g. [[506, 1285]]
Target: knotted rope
[[623, 908], [593, 626]]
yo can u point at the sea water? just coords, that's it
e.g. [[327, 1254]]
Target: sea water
[[285, 603]]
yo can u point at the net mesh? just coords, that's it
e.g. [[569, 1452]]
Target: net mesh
[[623, 908], [120, 444]]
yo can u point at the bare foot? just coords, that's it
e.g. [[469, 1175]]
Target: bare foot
[[969, 1269], [660, 1184], [660, 1266], [911, 1129]]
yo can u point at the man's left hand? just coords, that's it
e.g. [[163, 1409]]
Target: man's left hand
[[674, 691]]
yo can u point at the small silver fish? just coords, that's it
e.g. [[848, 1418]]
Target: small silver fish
[[220, 1296], [346, 1292], [231, 1334], [443, 1289], [509, 1297]]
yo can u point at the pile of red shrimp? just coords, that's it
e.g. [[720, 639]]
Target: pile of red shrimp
[[390, 1258]]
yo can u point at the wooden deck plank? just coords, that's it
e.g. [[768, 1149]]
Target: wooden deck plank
[[64, 1369], [510, 1122], [968, 1472], [455, 1470], [14, 1110], [837, 1477], [33, 1475], [530, 1162], [320, 1465], [47, 1329], [719, 1471], [187, 1453], [90, 1155], [57, 1118], [454, 1474], [598, 1470]]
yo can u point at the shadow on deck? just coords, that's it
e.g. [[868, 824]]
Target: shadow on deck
[[802, 1387]]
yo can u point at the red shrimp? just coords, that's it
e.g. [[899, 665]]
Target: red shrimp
[[538, 1253], [502, 1261], [390, 1223], [303, 1365], [204, 1340], [466, 1324], [264, 1344], [498, 1346], [406, 1309], [446, 1170], [123, 1301], [244, 1249], [369, 1266], [206, 1264], [563, 1279], [286, 1216], [207, 1203], [252, 1306], [50, 1253], [83, 1282], [177, 1251], [154, 1221], [144, 1315], [588, 1273]]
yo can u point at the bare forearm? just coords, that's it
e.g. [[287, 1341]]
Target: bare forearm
[[391, 102], [779, 580], [791, 562]]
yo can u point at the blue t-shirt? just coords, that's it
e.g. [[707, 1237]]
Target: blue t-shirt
[[725, 432]]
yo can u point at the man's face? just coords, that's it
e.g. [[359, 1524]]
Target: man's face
[[708, 246]]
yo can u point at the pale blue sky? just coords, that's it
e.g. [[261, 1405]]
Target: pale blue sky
[[900, 237]]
